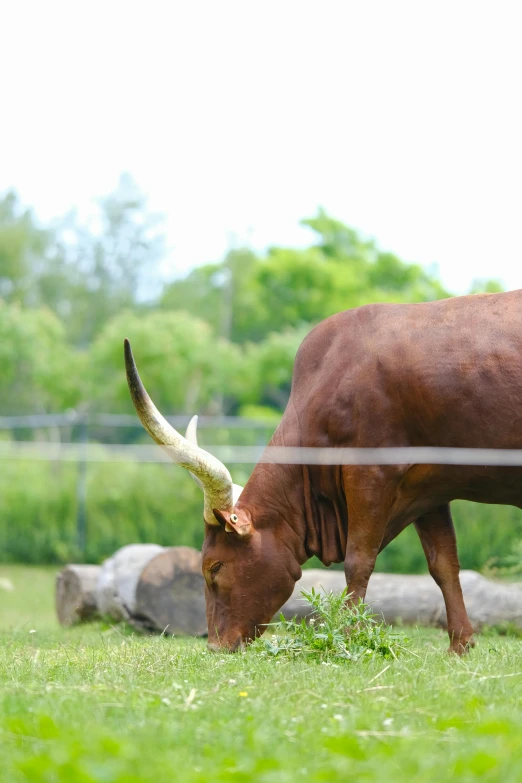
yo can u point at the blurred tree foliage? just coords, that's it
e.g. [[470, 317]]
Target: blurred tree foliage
[[25, 252], [40, 370], [220, 340], [84, 272], [246, 297], [183, 361]]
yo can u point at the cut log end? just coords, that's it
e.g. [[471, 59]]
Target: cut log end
[[76, 600], [170, 593]]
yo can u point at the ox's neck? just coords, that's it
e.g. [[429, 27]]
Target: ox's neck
[[273, 496], [305, 506]]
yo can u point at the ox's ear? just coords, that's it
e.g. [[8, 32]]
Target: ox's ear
[[238, 524]]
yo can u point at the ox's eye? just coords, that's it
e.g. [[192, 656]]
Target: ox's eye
[[233, 518], [214, 570]]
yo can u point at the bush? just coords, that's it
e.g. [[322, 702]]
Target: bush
[[37, 512], [126, 503]]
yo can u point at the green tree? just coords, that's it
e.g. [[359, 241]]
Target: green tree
[[109, 266], [486, 286], [185, 367], [337, 240], [24, 250], [226, 295], [40, 372], [247, 297], [270, 368], [84, 273]]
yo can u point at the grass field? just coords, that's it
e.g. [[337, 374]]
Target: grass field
[[96, 704]]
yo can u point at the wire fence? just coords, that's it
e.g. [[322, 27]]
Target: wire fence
[[83, 438], [73, 443], [72, 418]]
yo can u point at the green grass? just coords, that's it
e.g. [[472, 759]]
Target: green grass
[[97, 704]]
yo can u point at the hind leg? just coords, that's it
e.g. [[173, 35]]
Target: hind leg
[[438, 540]]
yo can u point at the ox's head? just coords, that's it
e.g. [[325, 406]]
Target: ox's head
[[249, 570]]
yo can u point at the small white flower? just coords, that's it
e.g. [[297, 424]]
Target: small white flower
[[337, 717], [32, 630], [232, 682], [387, 722], [7, 585]]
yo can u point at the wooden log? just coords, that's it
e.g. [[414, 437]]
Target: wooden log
[[416, 599], [170, 593], [154, 589], [76, 594], [162, 589]]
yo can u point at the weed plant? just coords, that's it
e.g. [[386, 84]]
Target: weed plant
[[337, 630]]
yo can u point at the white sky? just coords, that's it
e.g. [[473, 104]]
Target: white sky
[[403, 119]]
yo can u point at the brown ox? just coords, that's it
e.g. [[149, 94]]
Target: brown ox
[[446, 373]]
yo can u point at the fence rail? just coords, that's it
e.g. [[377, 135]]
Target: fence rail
[[68, 419], [249, 455]]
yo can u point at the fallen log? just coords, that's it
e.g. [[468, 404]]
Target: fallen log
[[150, 587], [170, 594], [417, 600], [118, 579], [158, 589]]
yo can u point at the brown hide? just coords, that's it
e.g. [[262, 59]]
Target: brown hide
[[446, 373]]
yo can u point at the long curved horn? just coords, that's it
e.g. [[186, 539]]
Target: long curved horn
[[213, 475], [191, 434]]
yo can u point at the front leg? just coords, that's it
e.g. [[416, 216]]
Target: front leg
[[366, 530]]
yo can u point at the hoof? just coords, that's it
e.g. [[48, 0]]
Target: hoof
[[461, 646]]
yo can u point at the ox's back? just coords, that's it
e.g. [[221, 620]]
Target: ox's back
[[445, 373]]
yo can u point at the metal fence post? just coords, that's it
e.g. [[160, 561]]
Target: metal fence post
[[81, 488]]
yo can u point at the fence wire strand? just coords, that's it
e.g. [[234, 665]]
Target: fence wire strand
[[250, 455]]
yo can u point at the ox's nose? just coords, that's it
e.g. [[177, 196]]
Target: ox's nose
[[236, 646]]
